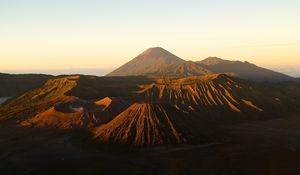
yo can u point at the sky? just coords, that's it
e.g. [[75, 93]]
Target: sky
[[95, 36]]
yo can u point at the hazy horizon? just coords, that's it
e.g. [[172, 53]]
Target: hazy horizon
[[291, 71]]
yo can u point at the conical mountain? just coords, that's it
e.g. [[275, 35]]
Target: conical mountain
[[146, 124], [150, 62]]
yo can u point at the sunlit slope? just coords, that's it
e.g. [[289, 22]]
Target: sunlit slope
[[39, 99], [146, 124], [57, 119], [214, 94]]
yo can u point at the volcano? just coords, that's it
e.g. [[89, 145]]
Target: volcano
[[146, 124]]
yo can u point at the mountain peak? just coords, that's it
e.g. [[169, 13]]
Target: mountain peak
[[149, 62], [156, 48], [155, 51]]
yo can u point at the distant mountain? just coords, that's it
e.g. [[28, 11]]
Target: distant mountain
[[243, 70], [14, 84], [151, 61], [159, 62]]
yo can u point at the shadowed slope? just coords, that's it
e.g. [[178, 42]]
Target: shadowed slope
[[146, 124]]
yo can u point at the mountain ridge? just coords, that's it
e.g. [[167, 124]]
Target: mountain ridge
[[244, 70]]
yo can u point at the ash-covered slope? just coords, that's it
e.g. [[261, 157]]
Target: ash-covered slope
[[215, 96], [146, 124]]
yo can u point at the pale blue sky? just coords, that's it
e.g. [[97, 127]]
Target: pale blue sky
[[89, 34]]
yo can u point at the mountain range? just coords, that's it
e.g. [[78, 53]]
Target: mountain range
[[159, 62]]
